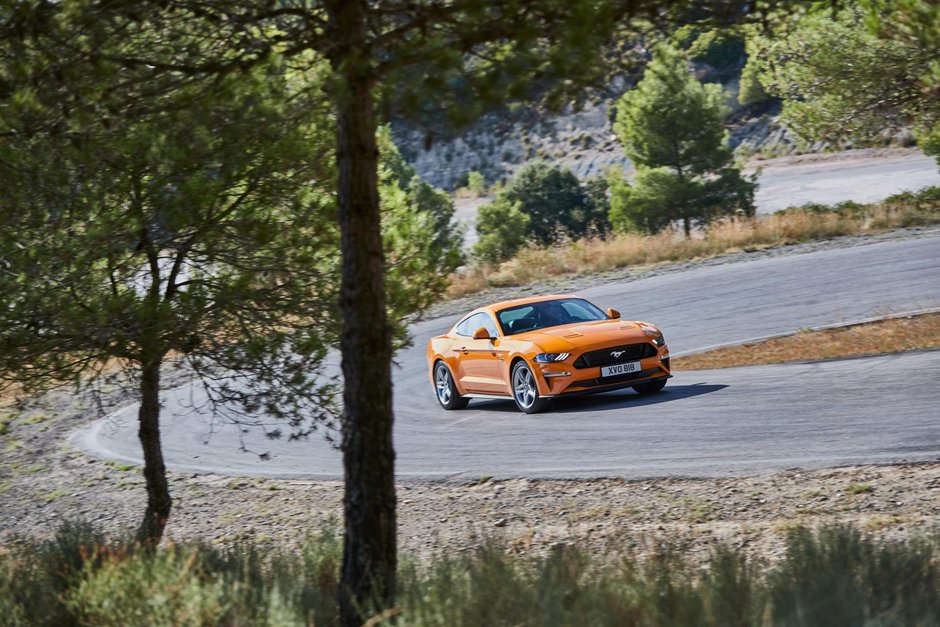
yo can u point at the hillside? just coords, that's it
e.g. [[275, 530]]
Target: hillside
[[581, 139]]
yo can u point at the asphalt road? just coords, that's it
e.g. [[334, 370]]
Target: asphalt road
[[852, 175], [718, 422]]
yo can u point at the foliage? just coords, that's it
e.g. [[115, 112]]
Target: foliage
[[671, 129], [719, 48], [421, 238], [751, 90], [835, 575], [476, 183], [202, 227], [503, 229], [141, 236], [855, 72], [558, 206]]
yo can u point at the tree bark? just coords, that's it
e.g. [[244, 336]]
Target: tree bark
[[369, 550], [158, 491]]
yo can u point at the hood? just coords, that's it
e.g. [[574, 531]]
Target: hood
[[567, 337]]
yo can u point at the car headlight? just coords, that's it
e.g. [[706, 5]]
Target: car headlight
[[547, 358], [659, 340]]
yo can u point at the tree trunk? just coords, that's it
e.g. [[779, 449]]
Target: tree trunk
[[369, 551], [158, 491], [687, 226]]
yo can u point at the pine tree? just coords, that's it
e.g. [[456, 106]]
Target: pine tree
[[671, 129]]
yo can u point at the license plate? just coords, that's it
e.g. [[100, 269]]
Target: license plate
[[619, 369]]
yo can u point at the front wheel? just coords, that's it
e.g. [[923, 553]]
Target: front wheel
[[651, 387], [525, 391], [445, 389]]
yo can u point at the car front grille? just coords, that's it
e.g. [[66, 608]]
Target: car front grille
[[607, 356]]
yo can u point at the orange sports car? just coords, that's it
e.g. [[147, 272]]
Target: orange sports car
[[534, 349]]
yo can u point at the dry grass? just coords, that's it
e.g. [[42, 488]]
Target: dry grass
[[812, 222], [886, 336]]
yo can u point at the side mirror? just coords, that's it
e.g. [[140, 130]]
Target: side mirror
[[613, 314], [481, 334]]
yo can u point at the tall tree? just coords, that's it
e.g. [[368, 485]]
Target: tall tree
[[196, 233], [671, 129]]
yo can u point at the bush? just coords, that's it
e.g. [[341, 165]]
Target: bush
[[835, 576], [558, 206], [165, 588], [476, 183], [503, 229]]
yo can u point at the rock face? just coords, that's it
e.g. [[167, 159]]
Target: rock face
[[581, 139], [496, 146]]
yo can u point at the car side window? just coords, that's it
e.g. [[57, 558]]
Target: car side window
[[469, 326], [464, 327]]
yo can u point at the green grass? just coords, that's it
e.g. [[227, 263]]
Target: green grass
[[859, 488], [5, 422], [120, 466], [835, 576]]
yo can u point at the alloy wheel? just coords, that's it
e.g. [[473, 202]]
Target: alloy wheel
[[442, 383], [524, 388]]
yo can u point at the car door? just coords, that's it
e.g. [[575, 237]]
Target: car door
[[482, 362]]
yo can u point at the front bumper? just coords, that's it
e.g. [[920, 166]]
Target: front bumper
[[563, 379]]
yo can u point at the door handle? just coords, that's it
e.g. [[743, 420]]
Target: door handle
[[463, 349]]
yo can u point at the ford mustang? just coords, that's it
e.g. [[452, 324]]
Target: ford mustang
[[535, 349]]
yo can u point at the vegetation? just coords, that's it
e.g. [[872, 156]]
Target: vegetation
[[833, 576], [798, 224], [503, 229], [853, 70], [891, 335], [204, 232], [165, 194], [558, 205], [144, 237], [543, 205], [476, 183], [671, 129]]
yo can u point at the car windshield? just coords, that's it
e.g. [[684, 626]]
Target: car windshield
[[547, 313]]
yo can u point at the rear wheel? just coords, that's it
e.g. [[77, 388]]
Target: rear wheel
[[445, 389], [651, 387], [525, 391]]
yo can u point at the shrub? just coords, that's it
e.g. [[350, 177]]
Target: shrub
[[834, 576], [476, 183], [503, 230]]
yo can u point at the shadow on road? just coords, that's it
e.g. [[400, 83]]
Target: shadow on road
[[628, 398], [621, 399]]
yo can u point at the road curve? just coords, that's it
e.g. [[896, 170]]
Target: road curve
[[868, 410]]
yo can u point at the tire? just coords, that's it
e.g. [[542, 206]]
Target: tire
[[525, 391], [445, 390], [650, 388]]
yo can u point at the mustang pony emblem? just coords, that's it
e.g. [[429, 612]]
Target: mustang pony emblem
[[616, 354]]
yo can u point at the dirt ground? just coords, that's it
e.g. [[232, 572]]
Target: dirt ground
[[44, 481]]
